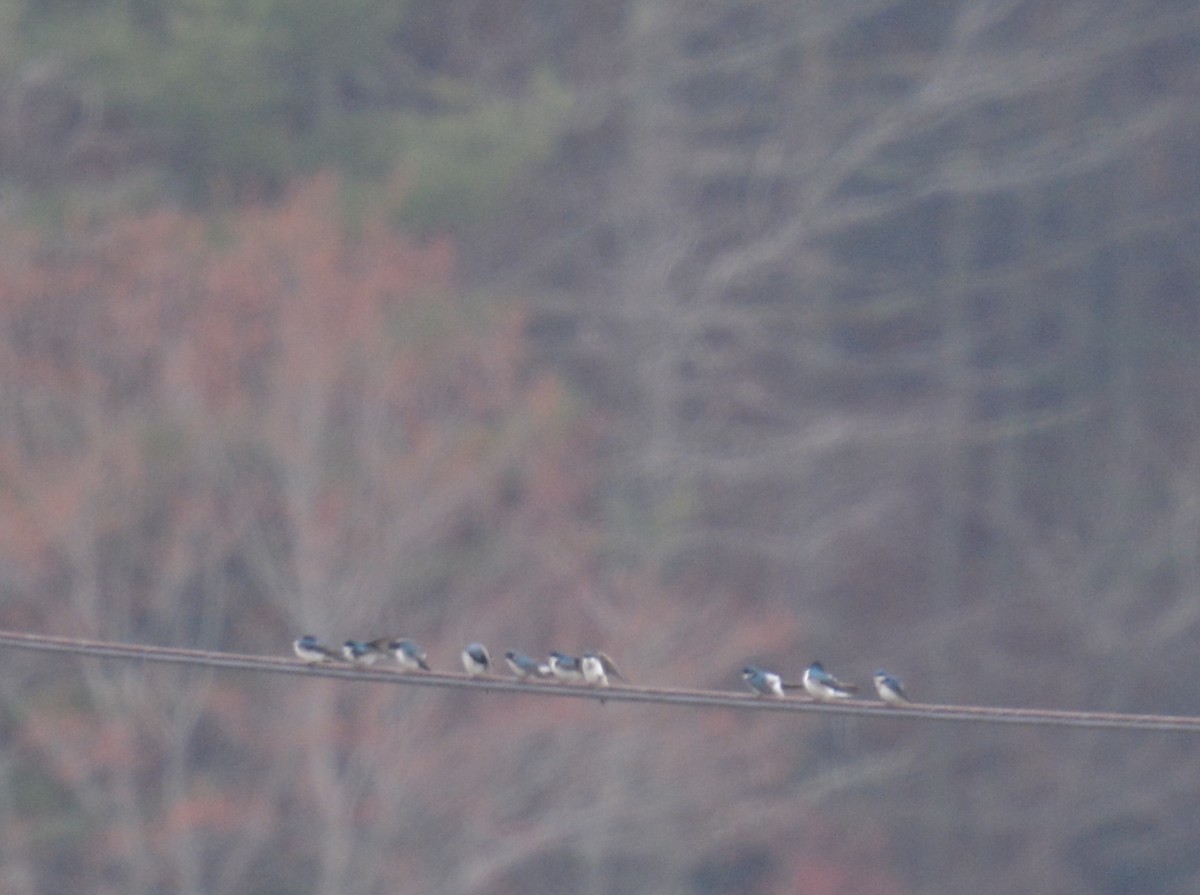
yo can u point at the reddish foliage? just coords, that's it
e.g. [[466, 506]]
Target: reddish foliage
[[238, 429]]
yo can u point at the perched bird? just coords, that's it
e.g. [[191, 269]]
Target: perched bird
[[762, 682], [409, 654], [360, 653], [889, 689], [313, 651], [476, 660], [565, 668], [596, 666], [524, 666], [820, 684]]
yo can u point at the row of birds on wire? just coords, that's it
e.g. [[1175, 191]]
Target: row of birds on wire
[[593, 668]]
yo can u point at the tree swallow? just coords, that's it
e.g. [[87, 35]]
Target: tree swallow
[[360, 653], [889, 689], [596, 666], [820, 684], [409, 654], [762, 682], [476, 660], [313, 651], [565, 668], [524, 666]]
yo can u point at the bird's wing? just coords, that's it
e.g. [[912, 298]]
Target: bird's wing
[[826, 678], [610, 667]]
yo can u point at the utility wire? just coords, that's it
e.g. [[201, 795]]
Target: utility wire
[[657, 695]]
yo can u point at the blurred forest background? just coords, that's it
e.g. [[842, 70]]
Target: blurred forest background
[[697, 331]]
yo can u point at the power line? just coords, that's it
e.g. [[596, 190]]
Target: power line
[[657, 695]]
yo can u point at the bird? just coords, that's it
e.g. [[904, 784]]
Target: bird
[[890, 689], [596, 666], [409, 654], [312, 651], [820, 684], [762, 682], [359, 653], [475, 659], [524, 666], [565, 668]]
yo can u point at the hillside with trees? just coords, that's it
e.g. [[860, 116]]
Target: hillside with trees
[[699, 332]]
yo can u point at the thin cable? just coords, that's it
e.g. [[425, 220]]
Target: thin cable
[[656, 695]]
